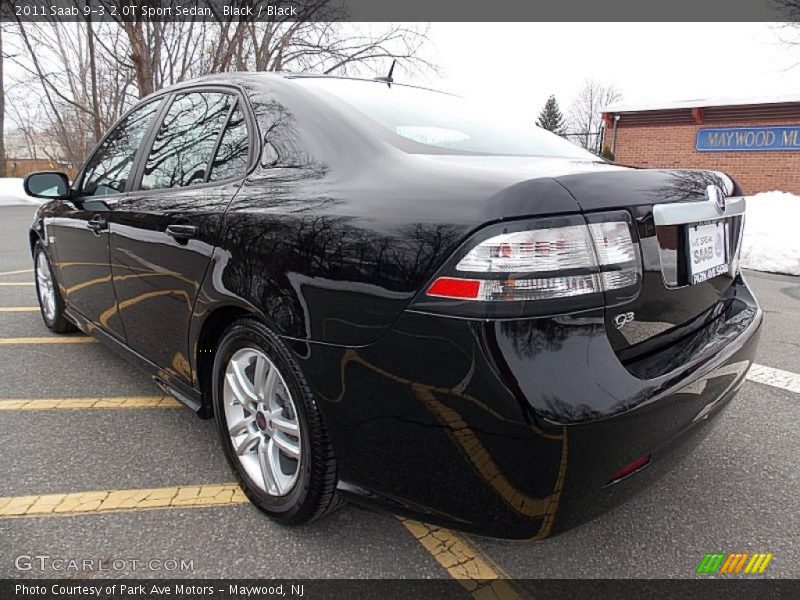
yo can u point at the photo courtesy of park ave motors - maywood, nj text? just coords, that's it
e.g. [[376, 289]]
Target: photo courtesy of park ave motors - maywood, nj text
[[322, 299]]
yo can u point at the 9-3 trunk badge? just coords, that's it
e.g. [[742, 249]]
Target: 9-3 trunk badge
[[623, 318]]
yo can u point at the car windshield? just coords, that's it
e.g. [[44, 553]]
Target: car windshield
[[436, 121]]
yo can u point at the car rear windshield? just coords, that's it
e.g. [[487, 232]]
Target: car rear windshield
[[437, 122]]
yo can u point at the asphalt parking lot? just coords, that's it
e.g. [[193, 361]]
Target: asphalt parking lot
[[738, 492]]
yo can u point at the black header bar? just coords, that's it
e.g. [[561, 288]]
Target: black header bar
[[405, 10]]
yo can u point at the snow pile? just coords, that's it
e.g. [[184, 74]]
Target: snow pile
[[772, 233], [11, 192]]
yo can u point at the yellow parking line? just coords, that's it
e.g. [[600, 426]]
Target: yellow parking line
[[49, 340], [17, 272], [475, 572], [75, 403], [119, 500], [19, 309], [12, 283]]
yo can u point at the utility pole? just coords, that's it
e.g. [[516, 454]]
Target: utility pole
[[2, 110], [93, 76]]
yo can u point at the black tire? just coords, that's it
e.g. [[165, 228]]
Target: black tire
[[314, 494], [58, 322]]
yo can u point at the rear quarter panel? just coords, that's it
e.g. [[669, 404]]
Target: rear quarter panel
[[335, 232]]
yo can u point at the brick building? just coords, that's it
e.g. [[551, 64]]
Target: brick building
[[756, 140]]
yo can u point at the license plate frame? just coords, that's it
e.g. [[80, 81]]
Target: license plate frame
[[707, 251]]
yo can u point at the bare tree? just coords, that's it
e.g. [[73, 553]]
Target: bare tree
[[93, 79], [787, 26], [163, 53], [80, 77], [585, 114], [23, 117], [789, 11], [53, 59]]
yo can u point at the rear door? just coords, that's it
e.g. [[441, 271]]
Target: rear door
[[164, 232]]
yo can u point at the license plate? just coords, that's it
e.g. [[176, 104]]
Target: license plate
[[708, 251]]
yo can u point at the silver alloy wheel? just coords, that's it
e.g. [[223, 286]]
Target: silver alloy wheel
[[47, 292], [262, 421]]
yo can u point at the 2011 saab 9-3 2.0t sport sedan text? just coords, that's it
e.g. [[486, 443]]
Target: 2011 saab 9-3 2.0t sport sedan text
[[382, 297]]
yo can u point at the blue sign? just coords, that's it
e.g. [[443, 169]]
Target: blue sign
[[748, 139]]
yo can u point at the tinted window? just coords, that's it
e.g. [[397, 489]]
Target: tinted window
[[185, 140], [231, 157], [108, 170], [419, 120]]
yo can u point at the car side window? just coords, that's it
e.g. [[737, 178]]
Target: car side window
[[231, 157], [109, 168], [188, 135]]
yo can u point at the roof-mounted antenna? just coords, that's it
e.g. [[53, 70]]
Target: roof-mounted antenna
[[388, 79]]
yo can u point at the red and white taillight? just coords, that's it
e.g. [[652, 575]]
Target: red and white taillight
[[542, 266]]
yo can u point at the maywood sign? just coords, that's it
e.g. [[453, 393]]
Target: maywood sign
[[748, 139]]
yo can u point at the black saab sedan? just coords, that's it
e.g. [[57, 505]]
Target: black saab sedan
[[383, 296]]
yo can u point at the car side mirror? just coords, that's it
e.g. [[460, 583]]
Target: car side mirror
[[51, 185]]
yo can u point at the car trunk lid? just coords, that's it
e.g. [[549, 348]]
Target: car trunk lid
[[675, 219]]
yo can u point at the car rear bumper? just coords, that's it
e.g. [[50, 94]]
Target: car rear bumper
[[516, 428]]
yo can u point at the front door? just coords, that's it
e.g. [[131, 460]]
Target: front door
[[82, 226], [163, 234]]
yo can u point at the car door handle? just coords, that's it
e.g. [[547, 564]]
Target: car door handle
[[97, 224], [182, 232]]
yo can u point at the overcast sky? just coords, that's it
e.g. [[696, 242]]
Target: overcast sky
[[521, 64]]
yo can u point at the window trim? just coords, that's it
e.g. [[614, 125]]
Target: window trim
[[252, 139], [165, 97], [77, 183], [218, 142], [148, 141]]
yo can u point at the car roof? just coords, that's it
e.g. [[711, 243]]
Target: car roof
[[231, 77]]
